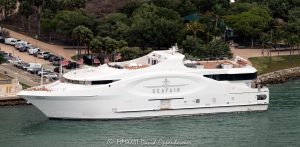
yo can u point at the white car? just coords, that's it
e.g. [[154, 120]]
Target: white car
[[41, 54], [10, 41], [14, 60], [18, 45], [50, 75], [32, 66], [45, 71], [32, 49]]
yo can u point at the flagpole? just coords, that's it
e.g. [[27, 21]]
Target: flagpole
[[114, 55], [42, 74], [60, 68]]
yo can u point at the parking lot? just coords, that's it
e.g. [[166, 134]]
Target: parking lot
[[28, 68]]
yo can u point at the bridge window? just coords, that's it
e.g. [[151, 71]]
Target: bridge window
[[102, 82], [232, 77]]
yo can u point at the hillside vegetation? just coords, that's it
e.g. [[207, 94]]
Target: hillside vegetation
[[201, 27]]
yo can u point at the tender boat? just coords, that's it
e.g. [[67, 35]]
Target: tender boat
[[161, 83]]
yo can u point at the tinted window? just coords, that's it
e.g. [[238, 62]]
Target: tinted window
[[232, 77], [102, 82]]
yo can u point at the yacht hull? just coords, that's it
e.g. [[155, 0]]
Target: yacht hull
[[95, 107]]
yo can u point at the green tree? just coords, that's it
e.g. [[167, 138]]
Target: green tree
[[83, 36], [25, 10], [214, 49], [217, 49], [238, 8], [111, 45], [264, 39], [66, 21], [204, 5], [169, 4], [7, 6], [293, 25], [114, 25], [2, 59], [38, 7], [218, 13], [72, 4], [191, 44], [130, 7], [51, 7], [250, 23], [292, 40], [279, 8], [154, 26], [96, 45], [186, 7], [48, 27], [130, 53], [195, 27]]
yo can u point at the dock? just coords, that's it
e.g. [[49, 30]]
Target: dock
[[12, 101]]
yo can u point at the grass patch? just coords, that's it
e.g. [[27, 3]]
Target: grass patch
[[25, 86], [266, 65]]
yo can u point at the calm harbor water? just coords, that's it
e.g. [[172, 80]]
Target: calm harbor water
[[279, 126]]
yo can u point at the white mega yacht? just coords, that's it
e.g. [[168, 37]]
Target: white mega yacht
[[161, 83]]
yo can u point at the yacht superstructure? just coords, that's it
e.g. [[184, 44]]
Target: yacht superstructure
[[161, 83]]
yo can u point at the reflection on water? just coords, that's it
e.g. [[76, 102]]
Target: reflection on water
[[279, 126]]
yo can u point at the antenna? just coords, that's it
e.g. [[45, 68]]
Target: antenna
[[174, 49]]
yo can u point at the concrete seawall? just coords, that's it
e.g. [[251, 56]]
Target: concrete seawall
[[278, 76], [12, 101]]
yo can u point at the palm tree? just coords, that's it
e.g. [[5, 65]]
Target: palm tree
[[277, 37], [264, 38], [195, 27], [218, 12], [83, 36], [96, 45], [291, 40], [298, 44]]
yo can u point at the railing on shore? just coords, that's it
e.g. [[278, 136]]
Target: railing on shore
[[5, 82], [279, 76]]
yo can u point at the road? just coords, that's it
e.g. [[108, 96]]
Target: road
[[56, 49], [248, 53], [23, 76]]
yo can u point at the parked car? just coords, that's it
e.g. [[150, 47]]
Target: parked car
[[56, 61], [7, 57], [14, 60], [23, 49], [50, 75], [42, 54], [10, 41], [47, 56], [32, 65], [36, 53], [19, 64], [45, 71], [56, 69], [32, 50], [20, 44], [72, 65], [52, 58], [34, 70], [2, 39]]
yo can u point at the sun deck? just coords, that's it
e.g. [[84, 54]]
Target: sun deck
[[216, 64]]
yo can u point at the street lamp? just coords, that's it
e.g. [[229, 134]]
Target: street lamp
[[36, 37], [42, 74]]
